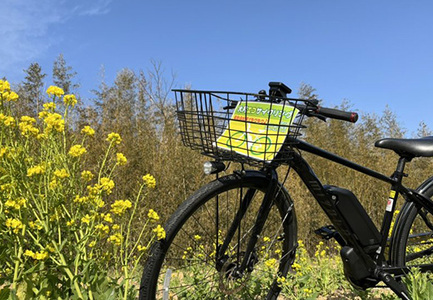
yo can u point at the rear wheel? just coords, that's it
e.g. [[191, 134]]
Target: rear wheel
[[189, 263], [413, 234]]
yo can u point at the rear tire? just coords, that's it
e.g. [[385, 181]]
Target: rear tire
[[188, 250], [411, 237]]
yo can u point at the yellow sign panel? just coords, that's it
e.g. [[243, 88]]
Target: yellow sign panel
[[258, 129]]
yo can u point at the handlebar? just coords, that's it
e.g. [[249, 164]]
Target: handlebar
[[324, 112], [337, 114]]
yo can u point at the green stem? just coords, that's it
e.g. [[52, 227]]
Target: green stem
[[16, 268], [104, 161], [64, 133], [125, 269], [59, 229], [71, 276], [128, 232], [139, 238]]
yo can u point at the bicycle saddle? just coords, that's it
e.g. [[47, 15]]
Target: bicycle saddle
[[408, 147]]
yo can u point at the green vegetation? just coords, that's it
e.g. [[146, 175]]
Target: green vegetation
[[62, 235]]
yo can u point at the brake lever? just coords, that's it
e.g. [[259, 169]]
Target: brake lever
[[319, 116]]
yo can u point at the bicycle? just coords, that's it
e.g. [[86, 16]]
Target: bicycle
[[231, 232]]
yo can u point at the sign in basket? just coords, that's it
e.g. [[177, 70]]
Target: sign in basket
[[258, 129]]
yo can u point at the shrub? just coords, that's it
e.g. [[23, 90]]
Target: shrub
[[61, 234]]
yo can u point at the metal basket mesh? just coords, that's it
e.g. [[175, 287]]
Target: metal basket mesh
[[247, 128]]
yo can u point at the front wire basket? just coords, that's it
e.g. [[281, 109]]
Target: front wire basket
[[255, 129]]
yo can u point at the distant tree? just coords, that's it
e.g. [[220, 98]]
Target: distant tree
[[306, 91], [118, 102], [423, 130], [390, 125], [30, 90], [63, 75], [156, 89]]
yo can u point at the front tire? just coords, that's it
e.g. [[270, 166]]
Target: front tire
[[186, 257]]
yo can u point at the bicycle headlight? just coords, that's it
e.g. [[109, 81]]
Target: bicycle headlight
[[213, 167]]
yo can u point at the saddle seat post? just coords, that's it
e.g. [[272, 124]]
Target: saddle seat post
[[397, 177]]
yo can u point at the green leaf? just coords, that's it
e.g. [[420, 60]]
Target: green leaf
[[4, 293]]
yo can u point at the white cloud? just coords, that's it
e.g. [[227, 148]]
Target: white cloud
[[24, 27], [99, 7]]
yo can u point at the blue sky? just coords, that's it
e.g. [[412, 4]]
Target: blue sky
[[373, 53]]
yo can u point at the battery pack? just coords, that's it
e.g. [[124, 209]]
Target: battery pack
[[355, 215]]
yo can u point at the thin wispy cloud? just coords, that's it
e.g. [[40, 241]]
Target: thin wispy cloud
[[25, 27], [99, 7]]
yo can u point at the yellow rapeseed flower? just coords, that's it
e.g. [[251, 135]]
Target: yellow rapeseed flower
[[16, 204], [153, 215], [53, 121], [14, 224], [36, 170], [86, 175], [50, 106], [307, 291], [37, 255], [297, 267], [28, 119], [53, 184], [108, 218], [79, 199], [116, 239], [141, 248], [106, 185], [77, 151], [120, 206], [29, 253], [160, 232], [270, 262], [103, 229], [4, 86], [323, 253], [121, 159], [3, 151], [149, 181], [50, 248], [42, 136], [281, 280], [10, 96], [27, 129], [55, 91], [99, 202], [114, 138], [93, 191], [87, 130], [9, 121], [86, 219], [70, 100], [61, 173], [35, 225]]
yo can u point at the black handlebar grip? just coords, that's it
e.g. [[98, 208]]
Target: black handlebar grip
[[337, 114]]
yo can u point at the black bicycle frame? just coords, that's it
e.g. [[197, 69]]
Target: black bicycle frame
[[305, 172]]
